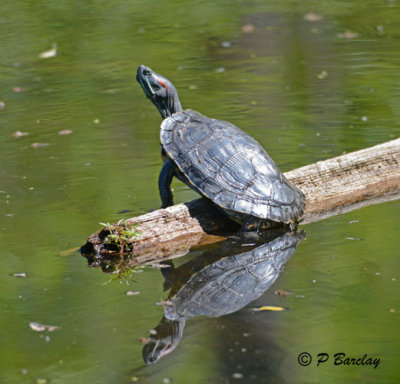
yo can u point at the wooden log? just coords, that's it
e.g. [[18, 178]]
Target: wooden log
[[331, 187], [349, 181]]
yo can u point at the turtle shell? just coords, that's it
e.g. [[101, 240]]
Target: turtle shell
[[230, 168]]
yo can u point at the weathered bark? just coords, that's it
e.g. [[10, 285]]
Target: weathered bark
[[331, 187]]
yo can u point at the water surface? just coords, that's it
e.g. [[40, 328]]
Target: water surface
[[308, 80]]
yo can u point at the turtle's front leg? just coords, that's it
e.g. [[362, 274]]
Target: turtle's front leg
[[164, 184]]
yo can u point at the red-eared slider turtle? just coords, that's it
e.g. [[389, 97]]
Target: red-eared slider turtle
[[219, 161]]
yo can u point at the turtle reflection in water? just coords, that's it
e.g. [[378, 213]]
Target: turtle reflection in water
[[219, 161], [214, 286]]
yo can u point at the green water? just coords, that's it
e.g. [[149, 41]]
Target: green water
[[306, 90]]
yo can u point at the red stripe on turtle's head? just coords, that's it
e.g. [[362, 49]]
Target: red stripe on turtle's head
[[161, 82], [159, 90]]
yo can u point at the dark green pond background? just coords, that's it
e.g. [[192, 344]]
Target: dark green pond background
[[308, 79]]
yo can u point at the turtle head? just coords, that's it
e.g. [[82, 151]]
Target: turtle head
[[159, 90]]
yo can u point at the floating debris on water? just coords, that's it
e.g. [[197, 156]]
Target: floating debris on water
[[310, 16], [65, 132], [322, 75], [132, 293], [269, 308], [237, 375], [20, 275], [39, 145], [37, 327], [18, 89], [354, 221], [50, 53], [19, 134], [248, 28], [347, 35], [354, 238], [2, 104], [283, 293]]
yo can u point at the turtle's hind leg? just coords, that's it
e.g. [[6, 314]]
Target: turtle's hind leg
[[249, 230], [260, 229]]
